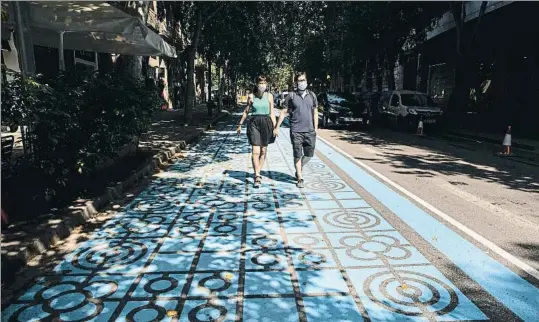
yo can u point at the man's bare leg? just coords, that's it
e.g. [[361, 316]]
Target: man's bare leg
[[299, 173]]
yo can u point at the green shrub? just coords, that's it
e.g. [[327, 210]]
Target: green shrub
[[76, 121]]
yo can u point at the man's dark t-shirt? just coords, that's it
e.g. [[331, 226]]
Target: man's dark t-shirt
[[300, 110]]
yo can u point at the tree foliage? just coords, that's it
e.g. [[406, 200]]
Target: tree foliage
[[376, 32], [322, 38], [76, 122]]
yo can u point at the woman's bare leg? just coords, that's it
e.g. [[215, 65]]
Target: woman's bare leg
[[262, 159], [256, 160]]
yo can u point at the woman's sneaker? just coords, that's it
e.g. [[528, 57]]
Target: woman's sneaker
[[257, 182], [300, 183]]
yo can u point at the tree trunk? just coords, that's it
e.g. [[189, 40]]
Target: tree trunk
[[229, 89], [368, 81], [190, 95], [220, 106], [379, 73], [390, 65], [235, 89], [461, 91], [191, 55], [210, 84], [181, 80], [460, 96], [131, 65], [202, 84]]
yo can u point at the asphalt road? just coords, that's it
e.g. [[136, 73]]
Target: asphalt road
[[495, 197]]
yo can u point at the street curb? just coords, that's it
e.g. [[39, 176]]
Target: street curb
[[525, 151], [487, 139], [50, 231]]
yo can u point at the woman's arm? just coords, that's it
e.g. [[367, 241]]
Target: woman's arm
[[272, 110], [245, 112]]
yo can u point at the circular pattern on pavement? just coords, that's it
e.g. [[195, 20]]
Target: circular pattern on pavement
[[325, 185], [208, 313], [411, 293], [265, 242], [160, 285], [109, 254], [351, 219]]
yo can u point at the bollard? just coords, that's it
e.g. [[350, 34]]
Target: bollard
[[420, 127], [507, 142]]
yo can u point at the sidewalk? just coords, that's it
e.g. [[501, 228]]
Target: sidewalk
[[168, 129], [524, 148], [524, 144], [201, 244]]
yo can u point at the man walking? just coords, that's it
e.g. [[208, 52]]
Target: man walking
[[302, 106]]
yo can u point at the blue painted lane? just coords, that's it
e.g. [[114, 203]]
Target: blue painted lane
[[201, 244], [508, 287]]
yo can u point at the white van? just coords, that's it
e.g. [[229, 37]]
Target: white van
[[406, 108]]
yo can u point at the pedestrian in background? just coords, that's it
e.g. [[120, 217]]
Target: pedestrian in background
[[302, 106], [261, 124]]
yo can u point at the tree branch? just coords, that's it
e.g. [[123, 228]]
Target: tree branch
[[456, 11], [198, 29]]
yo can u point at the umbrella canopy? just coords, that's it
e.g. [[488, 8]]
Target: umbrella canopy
[[93, 26]]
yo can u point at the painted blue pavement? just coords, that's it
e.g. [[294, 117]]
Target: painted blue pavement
[[201, 244], [509, 288]]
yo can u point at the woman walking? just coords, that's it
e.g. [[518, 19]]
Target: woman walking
[[261, 124]]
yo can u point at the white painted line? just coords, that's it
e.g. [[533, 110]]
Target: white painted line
[[482, 240]]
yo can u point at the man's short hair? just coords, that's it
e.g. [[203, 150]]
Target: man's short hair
[[298, 74]]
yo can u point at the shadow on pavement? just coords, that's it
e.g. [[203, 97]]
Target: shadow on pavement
[[444, 159], [181, 238]]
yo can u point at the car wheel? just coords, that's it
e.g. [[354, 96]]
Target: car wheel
[[400, 125]]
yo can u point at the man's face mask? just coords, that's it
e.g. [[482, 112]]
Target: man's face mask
[[302, 85]]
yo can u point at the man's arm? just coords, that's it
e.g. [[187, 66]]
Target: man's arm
[[282, 115], [284, 112], [315, 118], [315, 113]]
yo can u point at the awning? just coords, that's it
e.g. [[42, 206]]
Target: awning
[[94, 26]]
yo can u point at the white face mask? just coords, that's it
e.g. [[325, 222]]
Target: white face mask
[[302, 85], [262, 88]]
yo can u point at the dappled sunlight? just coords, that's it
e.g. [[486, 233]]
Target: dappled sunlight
[[432, 156], [199, 238]]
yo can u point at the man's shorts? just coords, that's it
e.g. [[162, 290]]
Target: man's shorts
[[303, 143]]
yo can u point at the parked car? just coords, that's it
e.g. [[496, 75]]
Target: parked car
[[369, 102], [406, 108], [341, 108]]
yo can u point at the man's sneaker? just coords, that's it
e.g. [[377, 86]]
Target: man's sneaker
[[300, 183]]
